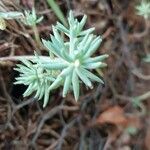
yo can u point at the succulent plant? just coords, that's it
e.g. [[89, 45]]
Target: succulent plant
[[36, 78], [7, 16], [143, 9], [30, 18], [71, 62], [147, 58]]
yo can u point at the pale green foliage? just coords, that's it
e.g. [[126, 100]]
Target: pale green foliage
[[36, 78], [131, 130], [30, 18], [11, 15], [143, 9], [72, 59], [7, 16], [147, 58]]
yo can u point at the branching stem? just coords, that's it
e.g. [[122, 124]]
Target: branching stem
[[37, 37]]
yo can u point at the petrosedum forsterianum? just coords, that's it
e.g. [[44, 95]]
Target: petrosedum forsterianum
[[71, 59], [143, 9], [36, 78]]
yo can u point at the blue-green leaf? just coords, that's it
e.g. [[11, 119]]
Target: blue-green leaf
[[84, 78], [91, 75], [75, 84], [96, 59], [95, 65], [94, 46], [67, 84]]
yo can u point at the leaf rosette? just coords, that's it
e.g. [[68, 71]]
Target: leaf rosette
[[74, 56], [70, 62], [37, 79]]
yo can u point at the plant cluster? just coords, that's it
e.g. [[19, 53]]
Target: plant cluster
[[147, 58], [30, 18], [7, 16], [36, 78], [69, 64], [143, 9]]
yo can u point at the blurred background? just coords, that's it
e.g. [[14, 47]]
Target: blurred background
[[115, 116]]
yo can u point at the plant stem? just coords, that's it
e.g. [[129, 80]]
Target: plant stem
[[140, 75], [143, 97], [37, 37]]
